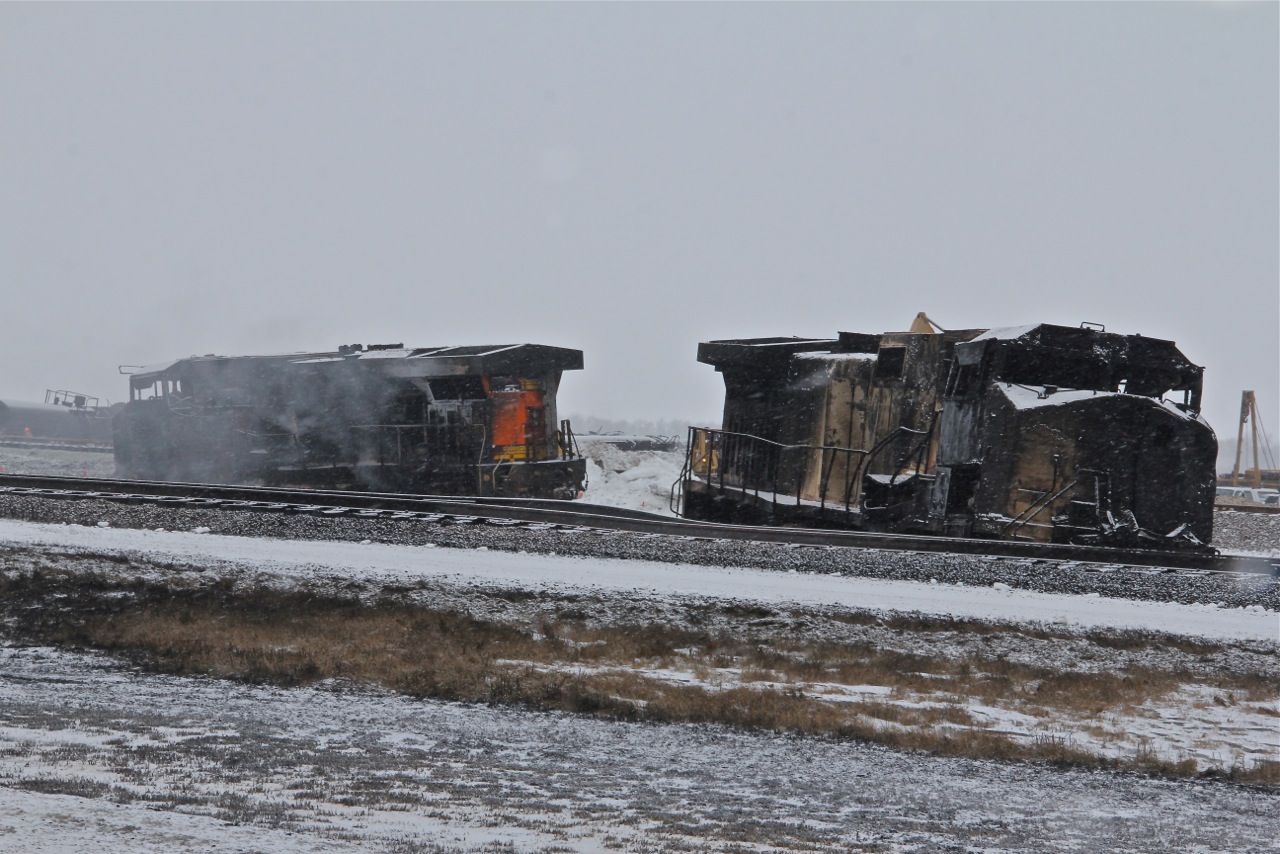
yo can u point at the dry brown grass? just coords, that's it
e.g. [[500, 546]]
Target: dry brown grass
[[297, 638]]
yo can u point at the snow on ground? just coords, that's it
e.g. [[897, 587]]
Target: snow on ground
[[56, 463], [95, 756], [1216, 728], [643, 579], [38, 823], [636, 480], [1219, 730]]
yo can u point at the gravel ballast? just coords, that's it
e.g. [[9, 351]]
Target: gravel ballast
[[1046, 576]]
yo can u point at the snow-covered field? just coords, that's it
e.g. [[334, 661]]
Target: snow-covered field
[[336, 766], [98, 758], [97, 755]]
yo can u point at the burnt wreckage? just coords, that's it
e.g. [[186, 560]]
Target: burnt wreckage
[[454, 420], [1042, 433]]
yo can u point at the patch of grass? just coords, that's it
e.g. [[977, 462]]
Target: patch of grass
[[1265, 772], [77, 786], [300, 637]]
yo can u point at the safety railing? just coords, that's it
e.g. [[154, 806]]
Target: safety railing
[[785, 474], [71, 399], [567, 442], [1090, 488], [1040, 505], [774, 470]]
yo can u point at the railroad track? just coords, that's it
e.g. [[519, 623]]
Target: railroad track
[[56, 445], [540, 512]]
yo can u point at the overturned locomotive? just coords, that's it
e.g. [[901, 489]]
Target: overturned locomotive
[[452, 420], [1043, 433]]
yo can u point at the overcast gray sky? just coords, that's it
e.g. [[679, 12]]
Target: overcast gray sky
[[633, 179]]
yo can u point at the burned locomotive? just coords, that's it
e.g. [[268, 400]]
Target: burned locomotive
[[1042, 433], [475, 420]]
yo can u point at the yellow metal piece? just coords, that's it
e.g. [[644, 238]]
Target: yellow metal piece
[[511, 453], [923, 324], [1253, 475], [520, 453]]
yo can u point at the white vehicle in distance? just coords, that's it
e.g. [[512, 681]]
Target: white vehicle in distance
[[1252, 494]]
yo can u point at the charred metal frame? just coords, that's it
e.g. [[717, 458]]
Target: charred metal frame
[[1046, 433]]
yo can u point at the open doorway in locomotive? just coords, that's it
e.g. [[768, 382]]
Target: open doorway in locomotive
[[1042, 433]]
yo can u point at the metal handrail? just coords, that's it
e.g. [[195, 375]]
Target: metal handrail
[[1035, 508], [759, 471], [754, 463]]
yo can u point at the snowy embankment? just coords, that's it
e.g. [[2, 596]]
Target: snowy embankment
[[1000, 603]]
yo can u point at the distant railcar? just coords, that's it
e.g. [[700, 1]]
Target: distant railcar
[[1043, 433], [64, 416], [452, 420]]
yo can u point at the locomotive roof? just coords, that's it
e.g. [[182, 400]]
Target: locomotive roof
[[448, 360]]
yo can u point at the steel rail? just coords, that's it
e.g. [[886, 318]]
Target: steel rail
[[57, 445], [581, 515]]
